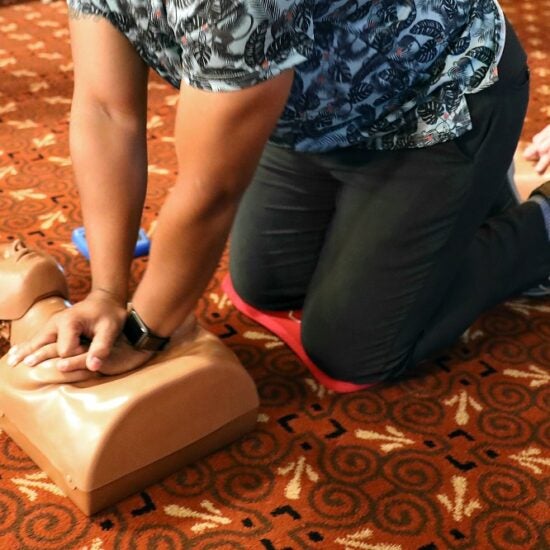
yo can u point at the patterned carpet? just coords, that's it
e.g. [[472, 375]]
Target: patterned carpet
[[457, 456]]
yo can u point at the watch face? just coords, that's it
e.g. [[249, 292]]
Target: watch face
[[134, 330], [139, 336]]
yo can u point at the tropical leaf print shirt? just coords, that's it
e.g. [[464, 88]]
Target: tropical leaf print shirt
[[381, 74]]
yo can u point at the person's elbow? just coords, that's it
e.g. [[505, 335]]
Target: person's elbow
[[210, 198]]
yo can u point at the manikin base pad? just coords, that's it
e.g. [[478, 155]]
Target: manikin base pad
[[102, 438], [286, 324]]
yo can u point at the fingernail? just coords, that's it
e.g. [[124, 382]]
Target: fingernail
[[12, 350], [12, 361], [95, 363], [63, 364], [29, 360]]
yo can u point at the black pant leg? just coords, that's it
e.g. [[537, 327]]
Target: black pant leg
[[280, 229], [387, 244], [410, 239]]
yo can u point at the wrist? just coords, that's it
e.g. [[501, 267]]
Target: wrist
[[115, 295], [151, 312]]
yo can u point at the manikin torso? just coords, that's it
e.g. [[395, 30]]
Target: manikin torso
[[102, 436]]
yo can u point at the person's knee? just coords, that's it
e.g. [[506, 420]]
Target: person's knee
[[343, 355], [260, 289], [249, 286]]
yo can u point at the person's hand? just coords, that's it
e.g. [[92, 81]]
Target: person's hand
[[96, 321], [122, 358], [539, 150]]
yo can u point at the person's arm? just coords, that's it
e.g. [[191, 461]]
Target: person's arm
[[539, 150], [220, 136], [108, 146], [219, 139], [108, 151]]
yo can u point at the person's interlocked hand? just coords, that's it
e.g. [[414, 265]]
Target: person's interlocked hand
[[124, 358], [539, 150], [80, 337]]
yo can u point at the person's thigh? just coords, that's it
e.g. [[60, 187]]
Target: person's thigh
[[403, 225], [280, 229]]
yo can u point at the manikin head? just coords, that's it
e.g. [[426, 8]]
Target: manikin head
[[27, 276]]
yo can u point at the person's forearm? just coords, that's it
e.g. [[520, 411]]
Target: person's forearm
[[187, 245], [219, 141], [110, 165]]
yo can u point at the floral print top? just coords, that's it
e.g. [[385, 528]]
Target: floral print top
[[381, 74]]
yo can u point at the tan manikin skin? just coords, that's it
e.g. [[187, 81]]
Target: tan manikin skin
[[101, 438]]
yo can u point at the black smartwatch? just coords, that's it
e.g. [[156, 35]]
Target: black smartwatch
[[140, 336]]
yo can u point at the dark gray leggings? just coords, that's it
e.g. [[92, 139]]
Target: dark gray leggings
[[393, 254]]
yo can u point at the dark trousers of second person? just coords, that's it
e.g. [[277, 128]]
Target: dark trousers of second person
[[393, 254]]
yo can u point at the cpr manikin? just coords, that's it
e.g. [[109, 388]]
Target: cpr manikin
[[101, 438]]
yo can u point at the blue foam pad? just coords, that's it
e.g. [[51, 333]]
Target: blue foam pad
[[79, 239]]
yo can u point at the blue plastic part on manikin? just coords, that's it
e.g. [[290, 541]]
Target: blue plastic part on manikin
[[79, 239]]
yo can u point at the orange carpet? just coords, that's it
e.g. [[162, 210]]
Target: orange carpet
[[455, 457]]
